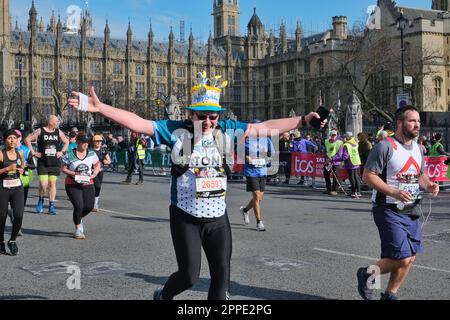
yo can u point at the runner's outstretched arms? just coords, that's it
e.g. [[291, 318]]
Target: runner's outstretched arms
[[138, 124]]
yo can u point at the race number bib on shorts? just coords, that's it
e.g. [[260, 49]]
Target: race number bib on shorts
[[82, 179], [258, 162], [210, 184], [50, 152], [13, 183]]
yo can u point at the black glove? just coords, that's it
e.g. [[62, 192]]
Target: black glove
[[447, 162]]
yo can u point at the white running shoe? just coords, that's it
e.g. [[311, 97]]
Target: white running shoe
[[260, 226], [79, 234], [245, 215]]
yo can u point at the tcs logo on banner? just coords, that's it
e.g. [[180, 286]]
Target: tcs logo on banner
[[304, 166], [436, 169]]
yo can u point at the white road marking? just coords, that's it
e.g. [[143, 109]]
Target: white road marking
[[121, 213], [375, 259]]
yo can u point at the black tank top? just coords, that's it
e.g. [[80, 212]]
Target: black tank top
[[101, 154], [6, 163], [49, 141]]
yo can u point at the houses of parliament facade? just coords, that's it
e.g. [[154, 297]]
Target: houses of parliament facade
[[270, 75]]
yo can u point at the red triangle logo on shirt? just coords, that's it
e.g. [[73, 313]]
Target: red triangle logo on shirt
[[409, 163]]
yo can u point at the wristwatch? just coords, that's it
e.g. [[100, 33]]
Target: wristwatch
[[304, 123]]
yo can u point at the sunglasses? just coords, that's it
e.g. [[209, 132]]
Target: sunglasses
[[97, 140], [203, 117]]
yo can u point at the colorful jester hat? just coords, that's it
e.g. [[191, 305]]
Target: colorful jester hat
[[206, 97]]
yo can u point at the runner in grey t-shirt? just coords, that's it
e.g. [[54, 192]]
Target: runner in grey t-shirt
[[377, 162], [395, 170]]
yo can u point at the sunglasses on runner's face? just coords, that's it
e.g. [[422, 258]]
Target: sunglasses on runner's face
[[203, 117]]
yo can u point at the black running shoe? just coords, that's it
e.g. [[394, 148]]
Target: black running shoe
[[363, 289], [387, 295], [157, 295], [2, 248], [13, 249]]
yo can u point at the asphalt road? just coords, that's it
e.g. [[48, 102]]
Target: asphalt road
[[311, 250]]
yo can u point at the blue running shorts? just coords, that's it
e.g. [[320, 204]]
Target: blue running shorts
[[401, 236]]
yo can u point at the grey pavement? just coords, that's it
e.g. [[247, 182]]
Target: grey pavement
[[313, 245]]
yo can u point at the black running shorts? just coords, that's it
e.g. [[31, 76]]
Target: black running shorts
[[256, 184], [48, 171]]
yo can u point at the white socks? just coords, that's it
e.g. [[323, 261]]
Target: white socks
[[96, 203]]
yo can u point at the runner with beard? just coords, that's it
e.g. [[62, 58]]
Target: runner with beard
[[395, 170], [198, 216]]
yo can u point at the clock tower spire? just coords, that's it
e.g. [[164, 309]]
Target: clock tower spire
[[226, 18]]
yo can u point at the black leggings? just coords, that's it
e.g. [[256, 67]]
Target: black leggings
[[25, 195], [189, 235], [98, 180], [15, 197], [82, 198], [328, 176]]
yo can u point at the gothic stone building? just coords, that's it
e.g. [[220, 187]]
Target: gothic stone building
[[270, 75], [428, 33]]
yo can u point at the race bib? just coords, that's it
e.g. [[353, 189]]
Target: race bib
[[13, 183], [258, 162], [210, 184], [412, 188], [50, 152], [81, 179]]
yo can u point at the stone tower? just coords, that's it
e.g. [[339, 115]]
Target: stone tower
[[226, 18], [340, 28], [443, 5], [5, 23], [256, 39]]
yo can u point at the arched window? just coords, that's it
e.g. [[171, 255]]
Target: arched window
[[320, 66], [408, 52], [237, 75], [438, 87]]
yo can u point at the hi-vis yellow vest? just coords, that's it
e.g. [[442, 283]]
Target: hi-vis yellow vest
[[140, 150], [434, 150], [332, 148], [353, 153]]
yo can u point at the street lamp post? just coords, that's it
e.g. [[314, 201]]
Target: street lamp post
[[402, 23]]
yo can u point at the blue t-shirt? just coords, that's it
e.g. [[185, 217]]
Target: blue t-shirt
[[26, 152], [72, 145], [304, 146], [261, 149]]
